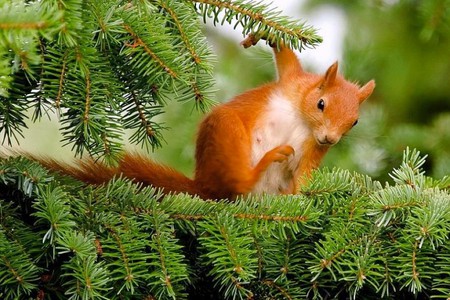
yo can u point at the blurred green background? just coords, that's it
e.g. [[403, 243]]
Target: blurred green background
[[403, 45]]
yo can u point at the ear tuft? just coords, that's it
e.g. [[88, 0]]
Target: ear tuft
[[287, 62], [330, 75], [366, 90]]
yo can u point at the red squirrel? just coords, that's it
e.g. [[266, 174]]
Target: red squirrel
[[262, 141]]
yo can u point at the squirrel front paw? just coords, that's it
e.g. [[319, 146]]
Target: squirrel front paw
[[282, 153]]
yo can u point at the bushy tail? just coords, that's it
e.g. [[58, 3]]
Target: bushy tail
[[142, 169], [86, 170], [133, 166]]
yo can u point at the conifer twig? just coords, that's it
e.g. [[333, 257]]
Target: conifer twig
[[256, 18], [138, 42]]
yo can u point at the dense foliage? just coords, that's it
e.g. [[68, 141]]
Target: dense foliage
[[343, 236]]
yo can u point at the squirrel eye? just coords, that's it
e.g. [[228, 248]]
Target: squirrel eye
[[321, 104], [356, 122]]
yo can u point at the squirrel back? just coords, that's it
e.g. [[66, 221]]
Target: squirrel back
[[265, 140]]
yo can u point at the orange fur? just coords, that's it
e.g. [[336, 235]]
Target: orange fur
[[264, 140]]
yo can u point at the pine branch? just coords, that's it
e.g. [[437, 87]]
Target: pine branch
[[410, 172], [86, 279], [138, 42], [233, 263], [54, 215], [18, 274], [12, 117], [258, 18], [193, 48], [21, 26], [77, 243], [92, 122], [25, 175], [70, 16], [280, 214], [123, 250], [146, 132], [442, 283], [282, 269], [170, 272], [5, 78]]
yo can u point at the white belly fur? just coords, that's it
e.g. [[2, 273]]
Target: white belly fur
[[280, 125]]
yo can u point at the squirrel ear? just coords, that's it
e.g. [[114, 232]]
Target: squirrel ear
[[287, 62], [366, 90], [330, 75]]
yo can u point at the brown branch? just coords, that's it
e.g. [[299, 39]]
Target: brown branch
[[162, 260], [125, 259], [88, 98], [283, 291], [61, 83], [199, 97], [254, 16], [415, 274], [272, 218], [187, 217], [231, 250], [401, 205], [138, 42], [13, 271], [250, 40], [245, 217], [326, 262], [106, 144], [29, 25], [183, 35], [148, 129], [239, 286]]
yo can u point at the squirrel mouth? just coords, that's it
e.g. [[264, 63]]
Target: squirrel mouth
[[324, 142]]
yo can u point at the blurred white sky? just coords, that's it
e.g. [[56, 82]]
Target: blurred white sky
[[328, 20]]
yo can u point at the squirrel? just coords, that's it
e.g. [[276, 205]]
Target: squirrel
[[262, 141]]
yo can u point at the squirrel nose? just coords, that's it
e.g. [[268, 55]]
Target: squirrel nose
[[332, 139], [329, 139]]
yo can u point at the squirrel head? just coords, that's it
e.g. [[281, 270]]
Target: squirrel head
[[328, 103], [331, 105]]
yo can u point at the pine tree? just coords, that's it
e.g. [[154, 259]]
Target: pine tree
[[108, 66]]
